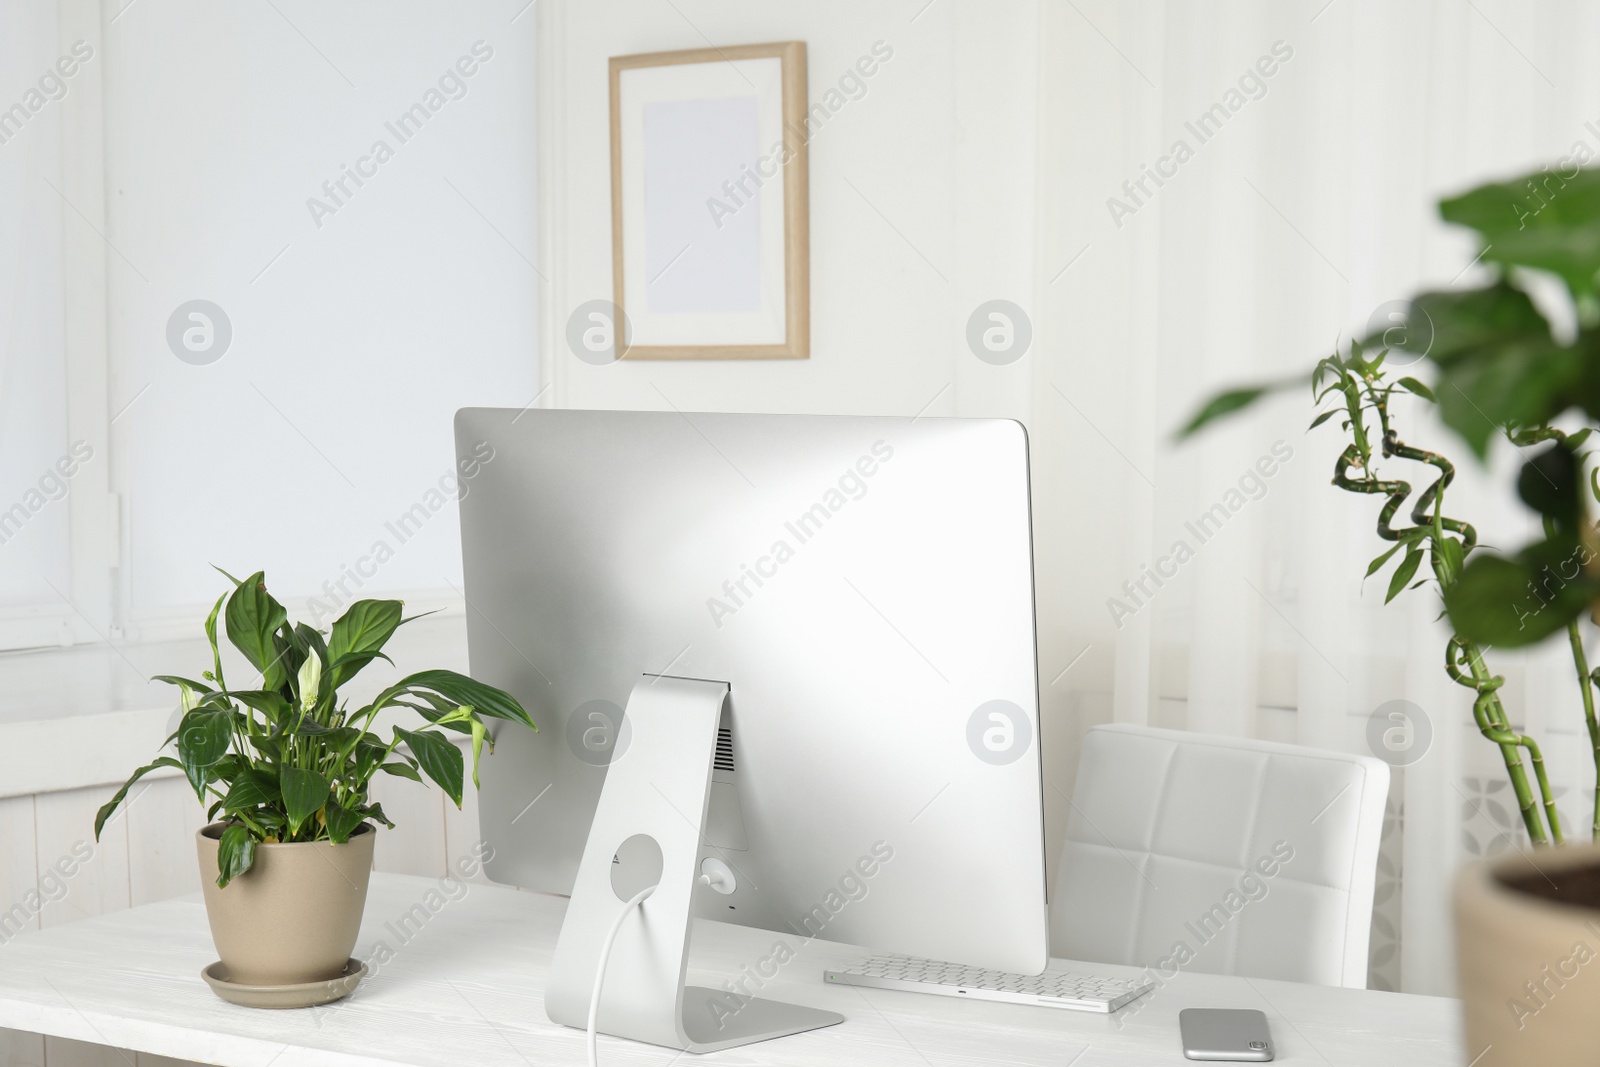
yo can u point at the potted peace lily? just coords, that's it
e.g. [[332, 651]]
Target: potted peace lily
[[283, 766]]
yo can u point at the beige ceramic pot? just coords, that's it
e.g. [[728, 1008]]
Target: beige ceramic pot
[[1528, 951], [294, 916]]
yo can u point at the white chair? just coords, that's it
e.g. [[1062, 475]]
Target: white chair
[[1191, 852]]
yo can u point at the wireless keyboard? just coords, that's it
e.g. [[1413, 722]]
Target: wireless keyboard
[[1056, 989]]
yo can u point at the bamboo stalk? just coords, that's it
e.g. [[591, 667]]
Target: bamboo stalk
[[1361, 385], [1493, 724], [1580, 661], [1585, 679]]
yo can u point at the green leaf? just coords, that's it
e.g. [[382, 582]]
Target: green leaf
[[269, 819], [1545, 221], [358, 634], [1320, 419], [1403, 573], [269, 703], [479, 733], [203, 738], [352, 662], [459, 689], [286, 653], [253, 616], [269, 749], [1499, 365], [1467, 322], [1372, 568], [368, 755], [467, 718], [440, 759], [460, 714], [375, 811], [236, 854], [435, 715], [211, 638], [1551, 483], [1524, 382], [401, 770], [342, 822], [1447, 559], [1224, 403], [309, 639], [341, 739], [229, 767], [1413, 386], [173, 679], [252, 789], [111, 805], [1522, 600], [304, 792]]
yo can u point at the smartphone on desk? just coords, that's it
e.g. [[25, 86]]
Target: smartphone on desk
[[1224, 1034]]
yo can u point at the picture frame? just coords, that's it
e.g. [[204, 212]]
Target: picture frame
[[710, 226]]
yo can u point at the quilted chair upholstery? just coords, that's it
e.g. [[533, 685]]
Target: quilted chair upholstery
[[1191, 852]]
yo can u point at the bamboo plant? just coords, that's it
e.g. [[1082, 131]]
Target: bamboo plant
[[1359, 389], [1500, 369], [283, 760]]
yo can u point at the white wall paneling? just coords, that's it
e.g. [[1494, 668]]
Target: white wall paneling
[[162, 824], [420, 850], [19, 877]]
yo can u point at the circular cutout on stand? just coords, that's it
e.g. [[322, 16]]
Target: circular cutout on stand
[[636, 866]]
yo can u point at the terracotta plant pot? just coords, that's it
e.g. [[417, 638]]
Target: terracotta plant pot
[[1528, 952], [294, 916]]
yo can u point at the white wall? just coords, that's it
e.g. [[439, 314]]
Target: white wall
[[356, 333], [921, 195]]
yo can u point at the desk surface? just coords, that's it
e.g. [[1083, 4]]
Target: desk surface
[[460, 981]]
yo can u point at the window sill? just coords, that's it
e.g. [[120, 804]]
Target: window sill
[[71, 718]]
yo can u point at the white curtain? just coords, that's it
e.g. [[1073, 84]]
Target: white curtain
[[1302, 205]]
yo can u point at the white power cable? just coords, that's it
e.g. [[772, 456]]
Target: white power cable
[[605, 956]]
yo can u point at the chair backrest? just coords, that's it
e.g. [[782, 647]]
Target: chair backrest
[[1187, 851]]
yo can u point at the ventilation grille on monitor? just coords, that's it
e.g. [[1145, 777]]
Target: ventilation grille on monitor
[[724, 760]]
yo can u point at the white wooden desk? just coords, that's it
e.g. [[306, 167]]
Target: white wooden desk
[[464, 989]]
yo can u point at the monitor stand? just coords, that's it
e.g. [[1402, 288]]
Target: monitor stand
[[658, 788]]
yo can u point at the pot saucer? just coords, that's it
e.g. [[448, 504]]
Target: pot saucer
[[300, 995]]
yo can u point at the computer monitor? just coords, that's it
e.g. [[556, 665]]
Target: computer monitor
[[863, 586]]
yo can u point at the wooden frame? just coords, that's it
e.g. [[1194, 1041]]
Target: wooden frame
[[796, 216]]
